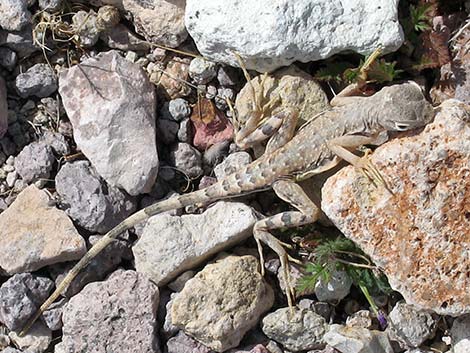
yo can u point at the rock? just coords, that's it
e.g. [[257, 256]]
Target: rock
[[167, 130], [462, 346], [185, 131], [111, 105], [39, 80], [357, 340], [202, 71], [169, 330], [187, 159], [231, 164], [301, 331], [172, 84], [20, 298], [37, 340], [410, 233], [296, 89], [57, 142], [199, 237], [11, 179], [51, 6], [207, 133], [177, 285], [214, 155], [268, 35], [53, 315], [222, 302], [14, 14], [84, 24], [123, 309], [179, 108], [228, 76], [360, 319], [11, 350], [253, 348], [222, 95], [410, 326], [3, 107], [335, 289], [460, 328], [36, 234], [8, 58], [120, 37], [35, 161], [87, 199], [98, 268], [21, 42], [159, 21], [182, 343]]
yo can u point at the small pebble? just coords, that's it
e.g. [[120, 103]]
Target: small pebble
[[186, 132], [39, 80], [211, 92], [222, 95], [51, 6], [179, 109], [227, 76], [202, 71], [11, 178]]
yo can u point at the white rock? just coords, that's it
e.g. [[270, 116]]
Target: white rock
[[335, 289], [269, 34], [357, 340], [222, 302], [462, 346], [111, 105], [460, 328], [185, 242], [36, 340]]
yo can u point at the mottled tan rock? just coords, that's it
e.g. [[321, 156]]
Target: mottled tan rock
[[295, 88], [420, 234], [34, 234], [222, 302], [171, 83]]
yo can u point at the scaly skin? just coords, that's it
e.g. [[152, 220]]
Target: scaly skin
[[395, 108]]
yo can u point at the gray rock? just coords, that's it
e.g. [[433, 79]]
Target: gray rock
[[20, 298], [11, 178], [14, 14], [462, 346], [335, 289], [228, 76], [357, 340], [361, 318], [39, 80], [120, 37], [35, 162], [182, 343], [179, 109], [231, 164], [186, 131], [56, 141], [222, 302], [111, 105], [223, 94], [36, 234], [168, 329], [268, 36], [410, 326], [178, 284], [3, 107], [199, 237], [51, 6], [187, 159], [301, 331], [21, 42], [10, 350], [84, 24], [87, 199], [8, 58], [123, 309], [53, 315], [37, 340], [460, 328], [202, 71], [98, 268], [167, 130]]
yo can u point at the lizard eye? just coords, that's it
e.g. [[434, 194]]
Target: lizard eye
[[401, 126]]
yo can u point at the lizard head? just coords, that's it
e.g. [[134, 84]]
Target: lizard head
[[406, 107]]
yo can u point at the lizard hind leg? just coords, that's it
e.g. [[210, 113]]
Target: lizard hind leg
[[307, 212]]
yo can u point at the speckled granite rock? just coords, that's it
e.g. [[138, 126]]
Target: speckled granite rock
[[36, 234], [222, 302], [419, 234]]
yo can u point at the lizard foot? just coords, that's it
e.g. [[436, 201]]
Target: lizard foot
[[370, 171]]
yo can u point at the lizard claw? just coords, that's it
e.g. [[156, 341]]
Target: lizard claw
[[370, 171]]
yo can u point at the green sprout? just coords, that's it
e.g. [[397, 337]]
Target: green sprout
[[420, 17]]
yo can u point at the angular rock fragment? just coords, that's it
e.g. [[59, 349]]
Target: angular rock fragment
[[198, 237], [36, 234], [87, 199], [304, 330], [39, 80], [116, 315], [186, 159], [111, 105], [36, 340], [14, 14], [419, 234], [222, 302], [268, 35], [35, 162], [357, 340]]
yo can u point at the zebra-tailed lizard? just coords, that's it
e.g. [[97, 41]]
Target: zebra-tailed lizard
[[353, 121]]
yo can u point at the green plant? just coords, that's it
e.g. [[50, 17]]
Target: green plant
[[420, 17], [342, 254]]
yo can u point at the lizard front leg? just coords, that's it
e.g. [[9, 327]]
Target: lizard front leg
[[341, 145], [307, 213]]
